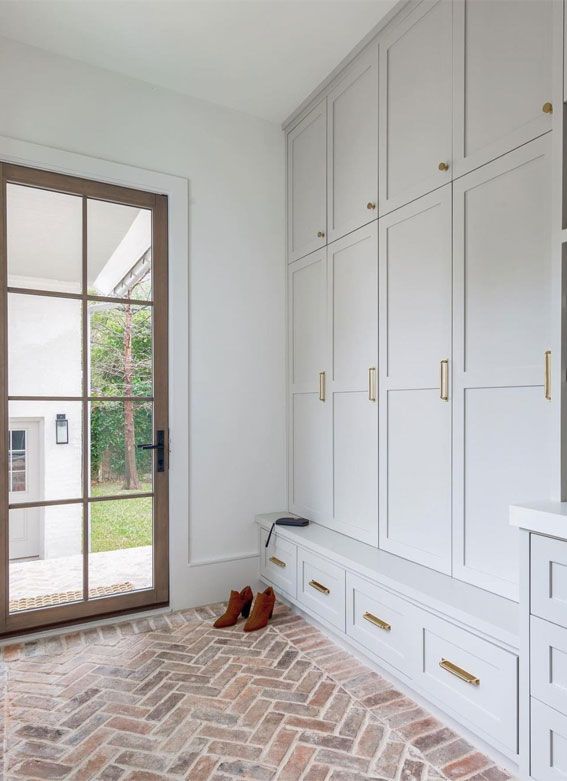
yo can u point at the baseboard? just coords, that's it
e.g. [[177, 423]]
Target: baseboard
[[203, 582]]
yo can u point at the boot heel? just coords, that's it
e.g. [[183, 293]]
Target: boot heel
[[271, 613], [246, 609]]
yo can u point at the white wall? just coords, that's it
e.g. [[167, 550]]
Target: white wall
[[235, 166]]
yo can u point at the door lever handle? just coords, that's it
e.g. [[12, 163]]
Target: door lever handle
[[159, 446]]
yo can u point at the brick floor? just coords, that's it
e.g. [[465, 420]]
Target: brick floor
[[171, 698]]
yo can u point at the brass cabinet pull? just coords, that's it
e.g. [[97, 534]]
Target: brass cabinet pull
[[321, 386], [372, 383], [278, 562], [377, 622], [459, 672], [370, 205], [547, 108], [547, 375], [444, 395], [319, 587], [320, 235], [443, 166]]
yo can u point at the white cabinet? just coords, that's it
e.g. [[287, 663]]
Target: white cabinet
[[502, 77], [321, 588], [353, 342], [352, 162], [306, 183], [415, 350], [503, 435], [309, 446], [548, 743], [278, 562], [415, 105]]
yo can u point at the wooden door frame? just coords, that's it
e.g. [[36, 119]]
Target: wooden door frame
[[158, 204]]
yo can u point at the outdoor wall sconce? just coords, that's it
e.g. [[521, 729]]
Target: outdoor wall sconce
[[61, 429]]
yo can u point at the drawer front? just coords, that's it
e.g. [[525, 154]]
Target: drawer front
[[548, 663], [549, 743], [321, 588], [472, 677], [278, 562], [382, 623], [548, 585]]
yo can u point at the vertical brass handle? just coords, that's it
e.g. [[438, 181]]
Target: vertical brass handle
[[372, 383], [547, 375], [321, 386], [444, 380]]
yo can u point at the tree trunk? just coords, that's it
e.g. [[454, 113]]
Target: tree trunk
[[131, 480]]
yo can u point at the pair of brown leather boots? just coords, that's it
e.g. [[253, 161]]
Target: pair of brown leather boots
[[241, 602]]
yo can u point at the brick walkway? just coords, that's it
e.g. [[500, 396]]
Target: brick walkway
[[172, 698]]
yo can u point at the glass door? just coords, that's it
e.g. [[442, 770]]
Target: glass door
[[83, 389]]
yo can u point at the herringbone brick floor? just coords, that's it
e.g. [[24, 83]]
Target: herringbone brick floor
[[173, 698]]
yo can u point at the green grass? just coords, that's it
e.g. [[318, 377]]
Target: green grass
[[125, 523]]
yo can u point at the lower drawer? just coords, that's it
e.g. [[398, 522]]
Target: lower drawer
[[321, 588], [548, 663], [382, 623], [278, 562], [474, 678], [549, 743]]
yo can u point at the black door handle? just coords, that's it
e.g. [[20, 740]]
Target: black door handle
[[159, 447]]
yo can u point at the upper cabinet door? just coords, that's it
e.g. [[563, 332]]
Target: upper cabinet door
[[415, 98], [502, 77], [306, 183], [352, 163]]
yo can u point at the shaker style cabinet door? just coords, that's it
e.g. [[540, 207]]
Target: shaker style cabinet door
[[310, 429], [353, 306], [415, 367], [306, 183], [502, 416], [502, 77], [352, 138], [415, 105]]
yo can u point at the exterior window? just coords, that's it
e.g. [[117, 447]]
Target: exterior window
[[17, 461]]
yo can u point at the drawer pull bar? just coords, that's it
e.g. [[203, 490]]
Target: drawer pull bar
[[377, 622], [459, 672], [547, 375], [372, 383], [278, 562], [319, 587], [322, 378], [444, 368]]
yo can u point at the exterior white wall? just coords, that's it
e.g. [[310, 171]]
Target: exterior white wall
[[235, 167]]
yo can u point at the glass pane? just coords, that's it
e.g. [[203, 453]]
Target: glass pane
[[44, 470], [44, 231], [119, 250], [44, 346], [120, 546], [118, 465], [120, 349], [46, 559]]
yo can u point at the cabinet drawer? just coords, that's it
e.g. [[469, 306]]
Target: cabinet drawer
[[548, 663], [548, 585], [474, 678], [383, 624], [549, 743], [321, 588], [278, 562]]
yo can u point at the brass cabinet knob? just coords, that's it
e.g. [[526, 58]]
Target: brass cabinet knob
[[547, 108], [320, 235], [443, 166], [370, 206]]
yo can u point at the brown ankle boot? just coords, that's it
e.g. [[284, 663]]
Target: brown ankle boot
[[237, 604], [262, 610]]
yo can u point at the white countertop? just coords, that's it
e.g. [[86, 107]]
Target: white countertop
[[544, 517]]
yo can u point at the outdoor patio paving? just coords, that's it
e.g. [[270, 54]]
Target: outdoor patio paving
[[39, 577]]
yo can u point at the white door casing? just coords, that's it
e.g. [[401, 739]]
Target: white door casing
[[26, 527]]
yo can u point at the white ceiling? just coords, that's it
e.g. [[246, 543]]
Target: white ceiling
[[262, 57]]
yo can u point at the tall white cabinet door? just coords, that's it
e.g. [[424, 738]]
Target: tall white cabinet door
[[352, 162], [503, 423], [416, 105], [502, 77], [310, 413], [353, 303], [415, 399], [306, 183]]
